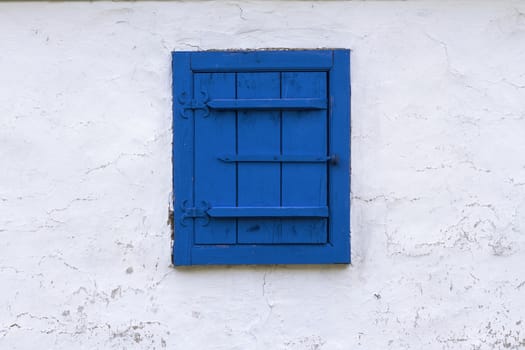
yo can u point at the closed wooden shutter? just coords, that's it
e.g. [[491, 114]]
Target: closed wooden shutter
[[261, 157]]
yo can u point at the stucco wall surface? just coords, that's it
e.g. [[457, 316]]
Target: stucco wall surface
[[438, 180]]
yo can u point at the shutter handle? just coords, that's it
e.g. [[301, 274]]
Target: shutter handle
[[334, 159]]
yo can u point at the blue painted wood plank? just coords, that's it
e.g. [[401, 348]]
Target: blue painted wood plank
[[258, 132], [182, 160], [266, 254], [268, 103], [339, 142], [257, 61], [215, 181], [256, 212], [304, 132]]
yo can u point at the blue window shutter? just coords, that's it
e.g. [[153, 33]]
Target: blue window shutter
[[261, 157]]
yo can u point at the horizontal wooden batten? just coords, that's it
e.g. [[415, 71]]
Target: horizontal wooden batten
[[268, 254], [256, 212], [268, 104], [262, 61], [255, 158]]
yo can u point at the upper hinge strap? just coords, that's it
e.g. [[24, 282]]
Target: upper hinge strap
[[205, 104]]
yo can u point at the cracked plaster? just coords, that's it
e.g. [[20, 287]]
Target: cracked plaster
[[438, 202]]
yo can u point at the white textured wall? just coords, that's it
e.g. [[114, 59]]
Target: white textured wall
[[438, 180]]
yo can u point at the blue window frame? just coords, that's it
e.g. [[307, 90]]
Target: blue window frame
[[261, 157]]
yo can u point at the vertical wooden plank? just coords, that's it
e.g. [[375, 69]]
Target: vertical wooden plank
[[182, 158], [304, 132], [258, 132], [215, 181], [339, 143]]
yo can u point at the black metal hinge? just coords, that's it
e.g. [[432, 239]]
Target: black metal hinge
[[193, 104], [204, 103], [195, 212]]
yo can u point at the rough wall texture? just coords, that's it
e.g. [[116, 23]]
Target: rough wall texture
[[438, 180]]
